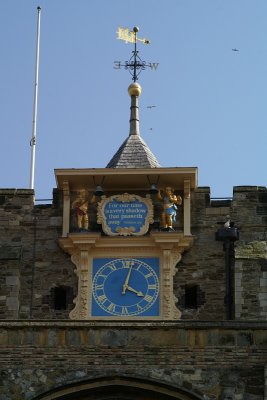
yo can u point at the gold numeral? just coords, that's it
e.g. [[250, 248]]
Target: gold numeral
[[111, 307], [102, 298], [127, 263], [124, 311], [152, 287], [148, 275], [112, 267], [99, 287], [148, 298]]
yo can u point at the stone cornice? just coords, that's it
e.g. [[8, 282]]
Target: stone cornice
[[65, 324]]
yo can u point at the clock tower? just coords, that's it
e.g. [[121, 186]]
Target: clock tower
[[125, 228]]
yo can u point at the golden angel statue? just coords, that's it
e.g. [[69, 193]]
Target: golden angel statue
[[169, 207]]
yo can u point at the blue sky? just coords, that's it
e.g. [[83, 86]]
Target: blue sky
[[211, 101]]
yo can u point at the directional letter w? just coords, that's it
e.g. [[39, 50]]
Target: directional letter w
[[153, 65]]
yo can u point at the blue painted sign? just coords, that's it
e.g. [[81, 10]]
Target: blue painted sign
[[125, 215]]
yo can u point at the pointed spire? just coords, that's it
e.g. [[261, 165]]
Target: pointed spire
[[134, 152], [134, 91]]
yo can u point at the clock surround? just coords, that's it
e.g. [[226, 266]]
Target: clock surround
[[84, 248]]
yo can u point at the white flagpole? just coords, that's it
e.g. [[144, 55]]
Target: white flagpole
[[33, 139]]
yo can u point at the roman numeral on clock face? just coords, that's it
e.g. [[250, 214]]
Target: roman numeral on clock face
[[111, 307], [127, 263], [99, 287], [102, 298], [112, 267], [152, 287], [124, 311], [148, 298]]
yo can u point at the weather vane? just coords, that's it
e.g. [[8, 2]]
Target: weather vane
[[135, 65]]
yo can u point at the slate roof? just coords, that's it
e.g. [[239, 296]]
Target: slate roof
[[133, 153]]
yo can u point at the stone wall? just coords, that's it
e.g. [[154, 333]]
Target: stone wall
[[251, 280], [250, 213], [204, 264], [223, 360], [33, 266], [41, 350]]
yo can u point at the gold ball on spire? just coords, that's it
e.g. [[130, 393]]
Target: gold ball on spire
[[135, 89]]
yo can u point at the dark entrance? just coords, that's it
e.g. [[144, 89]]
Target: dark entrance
[[119, 389]]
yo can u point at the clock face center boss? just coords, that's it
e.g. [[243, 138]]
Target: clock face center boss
[[125, 286]]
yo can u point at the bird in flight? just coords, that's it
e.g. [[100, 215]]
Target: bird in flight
[[235, 49], [151, 106]]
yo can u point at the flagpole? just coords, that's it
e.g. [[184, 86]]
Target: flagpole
[[33, 139]]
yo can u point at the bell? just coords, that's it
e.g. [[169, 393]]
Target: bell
[[153, 189], [99, 191]]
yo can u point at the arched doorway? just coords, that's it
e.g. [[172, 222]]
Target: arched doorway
[[114, 388]]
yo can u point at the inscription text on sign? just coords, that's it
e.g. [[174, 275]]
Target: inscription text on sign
[[125, 215]]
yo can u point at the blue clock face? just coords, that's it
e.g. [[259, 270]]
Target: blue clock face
[[125, 287]]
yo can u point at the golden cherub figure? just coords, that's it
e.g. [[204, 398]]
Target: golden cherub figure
[[80, 206], [169, 207]]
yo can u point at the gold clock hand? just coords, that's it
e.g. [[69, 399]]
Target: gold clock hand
[[124, 287], [138, 292]]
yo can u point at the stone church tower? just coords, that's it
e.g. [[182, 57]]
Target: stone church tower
[[133, 284]]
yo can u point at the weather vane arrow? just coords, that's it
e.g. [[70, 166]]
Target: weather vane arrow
[[135, 65]]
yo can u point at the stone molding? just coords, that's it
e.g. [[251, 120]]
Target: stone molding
[[235, 326], [252, 250]]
